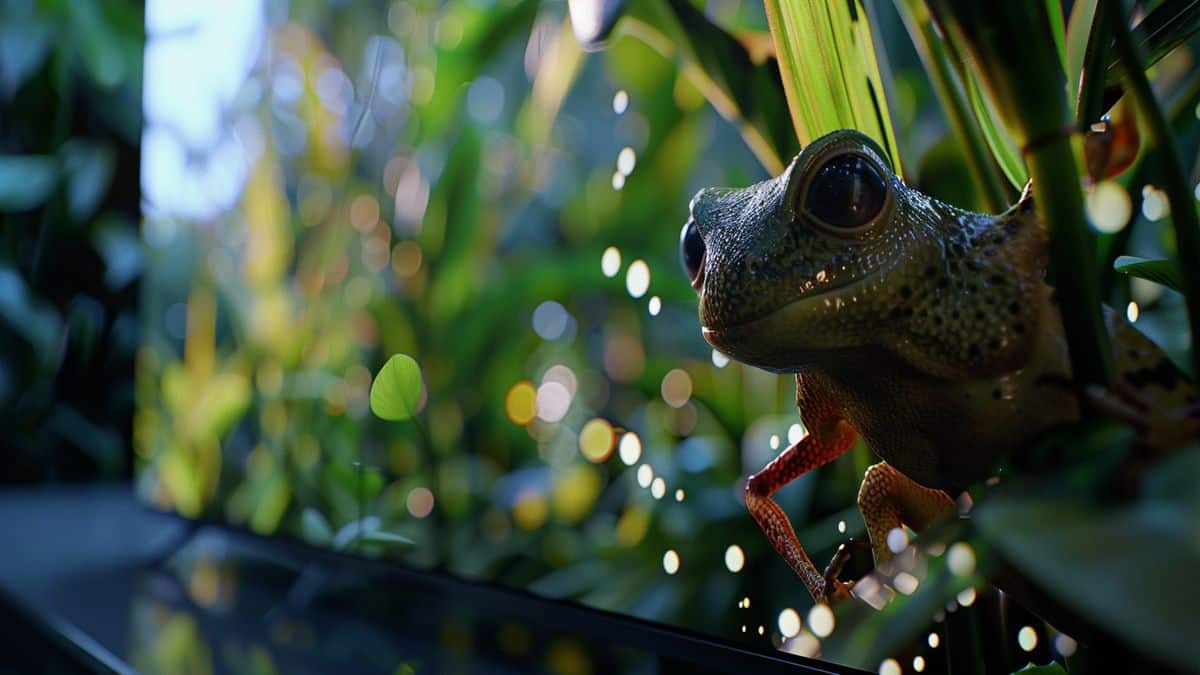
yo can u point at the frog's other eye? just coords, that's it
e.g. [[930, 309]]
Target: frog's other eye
[[691, 249], [847, 192]]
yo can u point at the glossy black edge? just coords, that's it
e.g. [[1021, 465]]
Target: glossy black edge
[[653, 637], [78, 645]]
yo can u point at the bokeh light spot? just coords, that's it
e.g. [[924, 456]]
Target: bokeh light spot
[[553, 401], [637, 278], [419, 502], [820, 620], [789, 623], [521, 402], [630, 449], [719, 360], [889, 667], [961, 559], [671, 561], [676, 388], [1027, 638], [596, 440], [645, 475], [735, 560], [1132, 312], [610, 261], [1108, 207], [550, 320], [658, 487], [655, 306], [620, 101], [626, 160]]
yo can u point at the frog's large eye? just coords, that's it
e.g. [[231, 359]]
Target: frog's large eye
[[846, 193], [691, 249]]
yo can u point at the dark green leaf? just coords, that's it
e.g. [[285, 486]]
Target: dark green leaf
[[1052, 668], [1163, 29], [1004, 150], [26, 181], [1131, 570], [396, 389], [1165, 272]]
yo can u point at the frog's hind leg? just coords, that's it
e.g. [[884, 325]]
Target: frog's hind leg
[[889, 499], [809, 453]]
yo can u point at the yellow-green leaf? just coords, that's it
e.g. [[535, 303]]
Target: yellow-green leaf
[[396, 389]]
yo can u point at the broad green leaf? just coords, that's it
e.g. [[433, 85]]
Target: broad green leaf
[[396, 390], [830, 72], [1002, 146], [1165, 272], [26, 181], [385, 538], [1058, 30], [1079, 29], [315, 527], [1129, 569]]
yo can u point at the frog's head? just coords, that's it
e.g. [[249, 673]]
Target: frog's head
[[837, 252]]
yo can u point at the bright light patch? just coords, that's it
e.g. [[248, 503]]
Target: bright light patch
[[1108, 207], [934, 640], [645, 475], [610, 261], [961, 559], [671, 562], [841, 527], [889, 667], [553, 401], [897, 540], [655, 305], [679, 495], [658, 487], [820, 620], [805, 644], [919, 664], [626, 160], [789, 623], [795, 433], [1154, 203], [735, 559], [1027, 638], [630, 450], [1132, 312], [618, 180], [966, 597], [521, 403], [719, 360], [637, 278], [905, 583], [596, 440], [620, 101]]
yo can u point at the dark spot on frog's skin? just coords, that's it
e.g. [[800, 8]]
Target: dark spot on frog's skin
[[979, 316], [1011, 226], [1015, 308], [1027, 206], [1134, 354], [955, 315], [944, 283], [930, 272], [1018, 328], [994, 344], [957, 249], [974, 351], [997, 394], [998, 240], [997, 280], [905, 292], [1163, 374], [937, 321], [896, 313]]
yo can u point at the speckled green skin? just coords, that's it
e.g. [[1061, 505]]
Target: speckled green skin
[[930, 330]]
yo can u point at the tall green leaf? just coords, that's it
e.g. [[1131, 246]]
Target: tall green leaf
[[830, 72]]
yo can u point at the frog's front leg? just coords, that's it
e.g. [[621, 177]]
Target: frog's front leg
[[889, 499], [825, 443]]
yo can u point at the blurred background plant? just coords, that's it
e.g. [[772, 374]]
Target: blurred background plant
[[70, 77], [325, 185]]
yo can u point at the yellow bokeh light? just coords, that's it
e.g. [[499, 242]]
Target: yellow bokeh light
[[529, 510], [1027, 638], [521, 402], [789, 623], [596, 440], [820, 620]]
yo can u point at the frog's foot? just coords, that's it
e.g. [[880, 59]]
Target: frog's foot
[[835, 588], [1158, 428]]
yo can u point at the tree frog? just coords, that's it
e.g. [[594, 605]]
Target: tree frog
[[926, 329]]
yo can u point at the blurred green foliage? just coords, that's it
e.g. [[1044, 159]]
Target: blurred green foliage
[[70, 77]]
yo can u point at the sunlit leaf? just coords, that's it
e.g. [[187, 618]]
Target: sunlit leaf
[[1002, 145], [1165, 272], [1166, 27], [830, 72], [396, 390], [272, 502], [385, 538]]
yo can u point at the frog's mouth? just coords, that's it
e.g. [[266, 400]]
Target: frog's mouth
[[792, 337]]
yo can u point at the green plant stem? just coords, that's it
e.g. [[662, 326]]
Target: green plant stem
[[1091, 95], [950, 93], [1183, 211]]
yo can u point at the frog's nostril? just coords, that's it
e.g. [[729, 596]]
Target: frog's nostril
[[691, 246]]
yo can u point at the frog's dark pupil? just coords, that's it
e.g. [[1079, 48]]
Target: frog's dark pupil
[[691, 246], [847, 192]]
